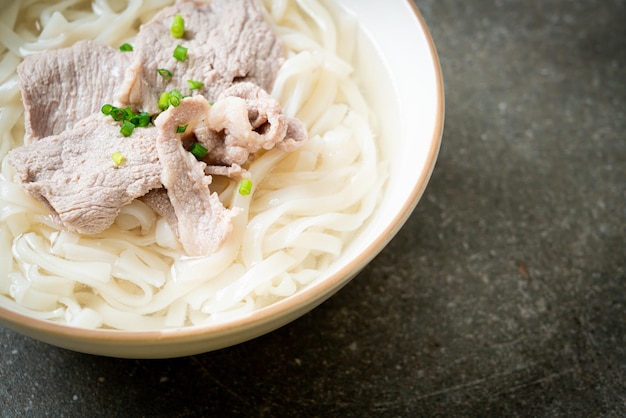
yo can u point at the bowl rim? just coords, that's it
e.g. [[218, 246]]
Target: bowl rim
[[307, 297]]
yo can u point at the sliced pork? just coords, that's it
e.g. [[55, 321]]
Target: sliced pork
[[203, 221], [200, 220], [253, 124], [63, 86], [227, 41], [74, 175], [67, 160], [243, 121]]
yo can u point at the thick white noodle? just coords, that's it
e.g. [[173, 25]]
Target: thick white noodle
[[304, 209]]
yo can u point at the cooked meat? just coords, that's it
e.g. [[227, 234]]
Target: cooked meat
[[295, 136], [227, 41], [159, 202], [67, 160], [61, 87], [270, 128], [244, 120], [74, 175], [234, 171], [249, 120], [200, 220], [203, 221]]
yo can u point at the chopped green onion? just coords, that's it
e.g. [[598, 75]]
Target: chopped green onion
[[120, 114], [117, 114], [130, 120], [245, 187], [126, 47], [175, 97], [211, 103], [129, 113], [198, 150], [127, 128], [141, 119], [178, 26], [107, 108], [164, 101], [180, 53], [195, 85], [181, 129], [168, 98], [118, 158], [164, 72]]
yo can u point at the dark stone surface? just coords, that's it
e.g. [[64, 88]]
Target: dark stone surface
[[504, 294]]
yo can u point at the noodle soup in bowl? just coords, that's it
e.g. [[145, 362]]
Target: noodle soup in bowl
[[365, 83]]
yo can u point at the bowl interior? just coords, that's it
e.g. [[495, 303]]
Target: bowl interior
[[398, 66], [405, 91]]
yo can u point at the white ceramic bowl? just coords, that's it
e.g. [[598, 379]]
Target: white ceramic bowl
[[408, 98]]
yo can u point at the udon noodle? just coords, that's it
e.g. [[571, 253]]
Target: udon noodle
[[305, 208]]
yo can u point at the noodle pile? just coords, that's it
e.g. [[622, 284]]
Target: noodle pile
[[304, 209]]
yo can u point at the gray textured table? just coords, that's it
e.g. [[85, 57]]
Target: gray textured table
[[504, 294]]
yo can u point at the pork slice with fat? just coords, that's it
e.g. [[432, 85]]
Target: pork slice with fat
[[244, 120], [249, 120]]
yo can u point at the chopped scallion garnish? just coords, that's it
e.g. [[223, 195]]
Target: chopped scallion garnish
[[175, 97], [126, 47], [128, 113], [140, 120], [130, 120], [164, 72], [181, 129], [180, 53], [118, 158], [245, 187], [178, 26], [107, 108], [127, 128], [164, 101], [117, 114], [195, 85], [168, 98], [198, 150]]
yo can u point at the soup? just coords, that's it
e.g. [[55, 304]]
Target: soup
[[305, 207]]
